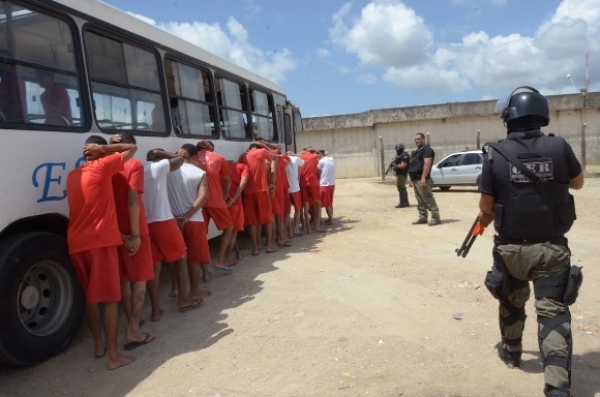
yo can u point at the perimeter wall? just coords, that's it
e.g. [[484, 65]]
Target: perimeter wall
[[363, 143]]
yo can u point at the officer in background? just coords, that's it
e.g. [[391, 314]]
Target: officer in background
[[531, 219], [401, 171], [419, 170]]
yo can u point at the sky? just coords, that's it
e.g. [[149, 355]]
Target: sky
[[336, 57]]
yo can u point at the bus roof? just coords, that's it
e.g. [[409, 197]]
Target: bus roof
[[116, 17]]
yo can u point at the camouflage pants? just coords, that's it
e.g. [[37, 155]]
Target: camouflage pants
[[532, 262]]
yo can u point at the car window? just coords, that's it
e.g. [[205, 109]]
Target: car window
[[471, 159], [451, 161]]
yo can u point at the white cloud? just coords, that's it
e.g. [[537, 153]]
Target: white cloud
[[387, 34], [367, 78], [408, 57], [232, 44]]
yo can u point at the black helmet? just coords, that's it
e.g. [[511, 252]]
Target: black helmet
[[399, 147], [527, 103]]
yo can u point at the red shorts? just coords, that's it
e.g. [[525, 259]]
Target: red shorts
[[257, 208], [327, 195], [138, 267], [196, 241], [310, 194], [277, 205], [237, 215], [296, 200], [98, 273], [166, 241], [220, 217]]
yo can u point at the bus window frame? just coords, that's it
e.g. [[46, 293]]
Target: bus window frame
[[211, 77], [249, 137], [272, 107], [149, 46], [80, 73]]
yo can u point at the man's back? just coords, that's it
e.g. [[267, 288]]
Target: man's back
[[156, 199], [216, 168], [92, 213], [183, 187], [327, 167]]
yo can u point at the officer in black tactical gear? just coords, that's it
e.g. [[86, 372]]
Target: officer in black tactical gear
[[524, 187], [401, 171]]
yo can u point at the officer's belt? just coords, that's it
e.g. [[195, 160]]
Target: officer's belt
[[552, 240]]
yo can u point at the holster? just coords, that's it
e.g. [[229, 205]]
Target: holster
[[497, 280]]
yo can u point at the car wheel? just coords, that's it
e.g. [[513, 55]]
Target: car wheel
[[41, 302], [444, 188]]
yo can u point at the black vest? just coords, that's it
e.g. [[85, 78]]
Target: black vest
[[402, 158], [524, 209]]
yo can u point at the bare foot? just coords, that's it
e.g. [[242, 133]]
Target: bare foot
[[202, 294], [118, 361], [173, 294], [100, 350], [156, 316]]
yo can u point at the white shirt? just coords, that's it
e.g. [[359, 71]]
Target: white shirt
[[327, 167], [156, 198], [293, 173], [183, 190]]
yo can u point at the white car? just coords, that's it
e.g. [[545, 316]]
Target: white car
[[458, 169]]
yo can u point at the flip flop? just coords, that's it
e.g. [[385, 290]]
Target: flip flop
[[254, 254], [286, 244], [101, 354], [135, 344], [191, 306], [223, 269], [271, 251]]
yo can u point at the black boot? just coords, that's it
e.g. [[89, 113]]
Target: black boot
[[404, 200], [399, 200]]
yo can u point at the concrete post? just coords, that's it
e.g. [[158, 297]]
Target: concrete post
[[583, 146], [382, 154]]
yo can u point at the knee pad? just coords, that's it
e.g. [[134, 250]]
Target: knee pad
[[555, 324], [516, 314]]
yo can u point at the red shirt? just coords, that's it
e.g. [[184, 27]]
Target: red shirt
[[308, 174], [282, 184], [216, 168], [93, 217], [257, 160], [131, 178], [238, 171]]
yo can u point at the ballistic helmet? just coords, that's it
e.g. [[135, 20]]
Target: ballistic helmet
[[524, 106], [399, 147]]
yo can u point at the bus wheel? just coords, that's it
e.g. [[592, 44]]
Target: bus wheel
[[41, 302]]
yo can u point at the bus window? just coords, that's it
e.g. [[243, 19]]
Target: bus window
[[192, 105], [125, 85], [263, 123], [231, 97], [47, 90]]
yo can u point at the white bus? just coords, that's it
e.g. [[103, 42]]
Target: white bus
[[72, 68]]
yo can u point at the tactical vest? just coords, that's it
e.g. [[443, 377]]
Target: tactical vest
[[524, 209], [404, 157]]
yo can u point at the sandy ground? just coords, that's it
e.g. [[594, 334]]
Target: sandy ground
[[366, 309]]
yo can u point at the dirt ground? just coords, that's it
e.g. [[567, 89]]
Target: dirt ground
[[368, 308]]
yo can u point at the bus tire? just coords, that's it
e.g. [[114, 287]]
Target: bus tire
[[41, 301]]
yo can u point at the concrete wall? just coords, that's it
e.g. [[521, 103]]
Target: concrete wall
[[354, 139]]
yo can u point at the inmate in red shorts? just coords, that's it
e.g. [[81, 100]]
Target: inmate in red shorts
[[310, 194], [220, 217], [196, 241], [138, 267], [166, 241], [277, 206], [296, 200], [257, 208], [287, 204], [237, 215], [327, 195], [98, 273]]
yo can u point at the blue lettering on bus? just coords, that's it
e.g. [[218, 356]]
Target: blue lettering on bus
[[45, 175]]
